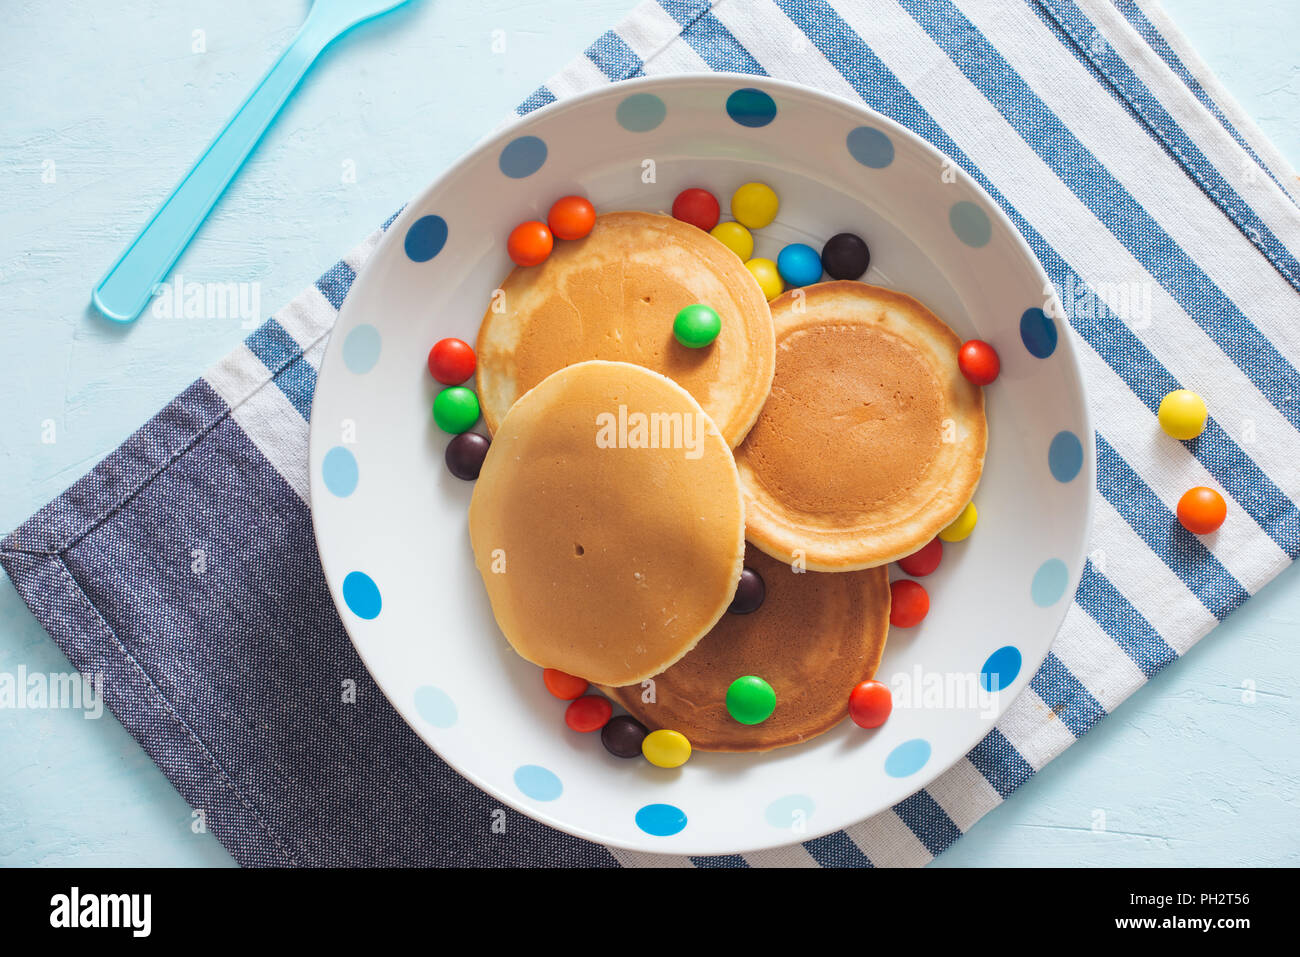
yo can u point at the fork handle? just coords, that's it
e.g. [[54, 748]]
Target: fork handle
[[129, 283]]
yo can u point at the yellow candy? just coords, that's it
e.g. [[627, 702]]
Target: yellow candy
[[1182, 414], [666, 749], [769, 279], [962, 525], [754, 205], [735, 237]]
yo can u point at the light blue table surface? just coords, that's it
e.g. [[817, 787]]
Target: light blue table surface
[[113, 99]]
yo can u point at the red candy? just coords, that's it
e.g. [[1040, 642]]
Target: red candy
[[571, 217], [870, 704], [1202, 510], [978, 361], [909, 603], [919, 564], [529, 243], [564, 686], [698, 207], [589, 713], [451, 361]]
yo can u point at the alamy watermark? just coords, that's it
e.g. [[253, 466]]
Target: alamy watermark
[[179, 299], [652, 430], [40, 691]]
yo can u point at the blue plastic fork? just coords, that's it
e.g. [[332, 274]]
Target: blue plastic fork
[[129, 283]]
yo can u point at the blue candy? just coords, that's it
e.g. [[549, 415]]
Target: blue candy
[[799, 265]]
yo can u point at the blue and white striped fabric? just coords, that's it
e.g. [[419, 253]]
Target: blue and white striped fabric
[[1169, 229]]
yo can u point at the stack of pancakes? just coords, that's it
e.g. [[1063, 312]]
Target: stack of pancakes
[[831, 429]]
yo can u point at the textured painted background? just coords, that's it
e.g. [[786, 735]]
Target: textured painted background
[[112, 99]]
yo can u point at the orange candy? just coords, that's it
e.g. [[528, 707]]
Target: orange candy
[[563, 686], [571, 217], [1201, 510], [529, 243]]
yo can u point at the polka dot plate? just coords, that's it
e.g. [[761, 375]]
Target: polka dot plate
[[391, 520]]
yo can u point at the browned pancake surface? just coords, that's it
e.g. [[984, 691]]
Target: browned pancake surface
[[813, 639], [871, 440], [613, 295]]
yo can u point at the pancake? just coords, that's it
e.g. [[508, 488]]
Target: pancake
[[608, 546], [613, 295], [813, 639], [871, 441]]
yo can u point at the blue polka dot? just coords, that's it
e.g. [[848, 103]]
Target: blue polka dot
[[751, 107], [522, 157], [970, 223], [425, 238], [790, 810], [339, 469], [1001, 668], [1038, 333], [435, 706], [538, 783], [908, 758], [641, 112], [871, 147], [361, 594], [661, 820], [1049, 583], [1065, 456], [361, 349]]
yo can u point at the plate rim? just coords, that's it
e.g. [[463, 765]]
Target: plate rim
[[507, 131]]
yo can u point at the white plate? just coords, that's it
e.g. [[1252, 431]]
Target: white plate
[[388, 513]]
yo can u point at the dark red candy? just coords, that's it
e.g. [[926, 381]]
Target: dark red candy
[[845, 256], [465, 454], [919, 564], [749, 593], [588, 713], [622, 736], [698, 207]]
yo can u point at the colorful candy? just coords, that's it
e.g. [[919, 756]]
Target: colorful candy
[[1202, 510], [465, 454], [455, 409], [698, 207], [666, 749], [978, 361], [923, 562], [909, 603], [564, 686], [1182, 414], [769, 278], [735, 237], [750, 593], [845, 256], [571, 217], [959, 528], [529, 243], [750, 700], [799, 265], [451, 361], [696, 326], [588, 713], [870, 704], [622, 736], [754, 205]]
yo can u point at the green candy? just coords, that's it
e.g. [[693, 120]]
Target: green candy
[[751, 700], [696, 326], [455, 409]]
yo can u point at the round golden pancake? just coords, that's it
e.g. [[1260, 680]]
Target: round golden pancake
[[814, 638], [614, 295], [607, 523], [871, 440]]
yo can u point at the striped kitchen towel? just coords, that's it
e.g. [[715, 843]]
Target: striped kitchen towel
[[1169, 229]]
